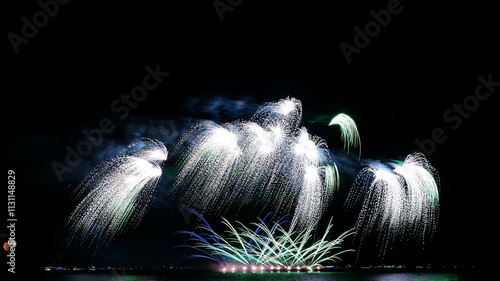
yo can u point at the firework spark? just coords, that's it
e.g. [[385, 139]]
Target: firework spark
[[349, 131], [399, 203], [264, 246], [119, 192], [268, 159], [423, 194]]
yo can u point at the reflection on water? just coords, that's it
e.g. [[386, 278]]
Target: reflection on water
[[323, 276]]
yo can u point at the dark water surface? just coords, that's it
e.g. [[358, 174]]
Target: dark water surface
[[303, 276]]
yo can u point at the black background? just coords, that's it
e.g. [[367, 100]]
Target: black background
[[397, 88]]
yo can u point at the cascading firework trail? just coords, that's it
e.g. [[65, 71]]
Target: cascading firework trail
[[265, 246], [423, 194], [349, 131], [399, 203], [269, 159], [119, 193]]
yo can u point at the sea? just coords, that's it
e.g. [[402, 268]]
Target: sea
[[302, 276]]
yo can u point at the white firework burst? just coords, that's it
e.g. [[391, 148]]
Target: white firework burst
[[119, 193], [402, 202]]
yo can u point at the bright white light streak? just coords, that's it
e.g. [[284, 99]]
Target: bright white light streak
[[403, 202], [349, 131], [119, 193], [268, 159], [266, 245]]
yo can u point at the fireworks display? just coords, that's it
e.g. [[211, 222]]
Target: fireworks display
[[269, 159], [349, 131], [119, 192], [272, 247], [401, 202]]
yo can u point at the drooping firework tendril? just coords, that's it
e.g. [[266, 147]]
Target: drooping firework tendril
[[119, 192], [349, 131], [269, 159], [400, 200]]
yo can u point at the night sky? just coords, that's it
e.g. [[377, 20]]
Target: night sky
[[423, 64]]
